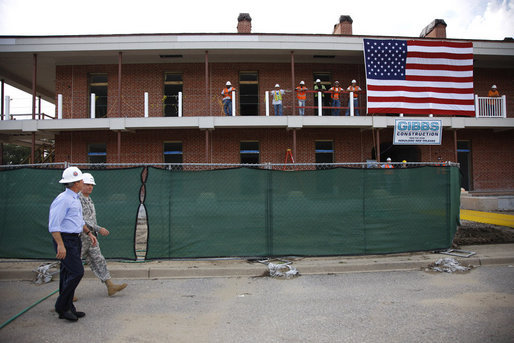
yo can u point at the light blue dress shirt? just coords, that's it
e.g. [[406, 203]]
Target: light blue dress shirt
[[66, 213]]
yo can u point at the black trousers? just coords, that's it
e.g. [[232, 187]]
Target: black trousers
[[71, 272]]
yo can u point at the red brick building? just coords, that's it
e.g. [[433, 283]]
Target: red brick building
[[157, 98]]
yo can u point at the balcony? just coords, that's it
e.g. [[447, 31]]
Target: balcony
[[196, 105], [490, 107]]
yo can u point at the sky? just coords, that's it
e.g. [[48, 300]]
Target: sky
[[466, 19]]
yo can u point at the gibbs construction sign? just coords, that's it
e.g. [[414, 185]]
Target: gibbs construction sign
[[417, 131]]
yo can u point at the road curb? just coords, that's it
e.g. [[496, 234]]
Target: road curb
[[242, 269]]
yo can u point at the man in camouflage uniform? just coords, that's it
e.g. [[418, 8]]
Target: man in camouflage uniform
[[90, 253]]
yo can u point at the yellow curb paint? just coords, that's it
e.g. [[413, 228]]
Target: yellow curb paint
[[488, 217]]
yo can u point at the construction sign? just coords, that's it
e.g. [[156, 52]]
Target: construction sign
[[417, 132]]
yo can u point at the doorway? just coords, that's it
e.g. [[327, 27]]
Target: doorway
[[464, 159]]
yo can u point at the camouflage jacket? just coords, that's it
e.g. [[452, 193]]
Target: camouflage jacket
[[89, 213]]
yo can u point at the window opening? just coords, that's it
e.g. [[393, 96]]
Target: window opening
[[97, 153], [248, 93], [249, 151], [173, 84], [173, 152], [324, 151], [98, 86]]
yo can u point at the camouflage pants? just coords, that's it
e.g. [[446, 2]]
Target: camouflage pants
[[94, 258]]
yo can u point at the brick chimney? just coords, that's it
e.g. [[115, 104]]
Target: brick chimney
[[344, 27], [436, 29], [244, 23]]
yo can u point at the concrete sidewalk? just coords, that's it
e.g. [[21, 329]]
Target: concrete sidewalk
[[495, 254]]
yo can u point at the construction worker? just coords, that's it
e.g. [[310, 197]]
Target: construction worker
[[318, 87], [388, 164], [404, 164], [355, 89], [90, 253], [227, 98], [277, 95], [335, 95], [492, 109], [301, 95]]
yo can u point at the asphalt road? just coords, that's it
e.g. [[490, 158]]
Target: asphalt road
[[412, 306]]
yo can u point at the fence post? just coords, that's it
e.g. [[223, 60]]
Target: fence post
[[477, 107], [7, 115], [93, 115], [233, 103], [504, 106], [180, 104], [59, 106], [320, 107], [146, 104], [267, 103], [352, 103]]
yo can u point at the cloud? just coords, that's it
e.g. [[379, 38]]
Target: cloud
[[491, 19]]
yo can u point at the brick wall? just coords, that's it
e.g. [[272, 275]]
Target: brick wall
[[72, 82], [492, 156]]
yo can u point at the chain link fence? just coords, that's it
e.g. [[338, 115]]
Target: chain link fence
[[225, 210]]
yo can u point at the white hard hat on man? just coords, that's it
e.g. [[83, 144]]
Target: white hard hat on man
[[71, 174], [89, 179]]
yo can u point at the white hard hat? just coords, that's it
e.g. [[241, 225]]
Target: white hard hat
[[389, 159], [89, 179], [277, 85], [318, 80], [302, 83], [493, 86], [71, 174], [228, 83], [336, 82], [353, 81]]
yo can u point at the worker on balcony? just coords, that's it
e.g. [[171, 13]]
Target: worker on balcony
[[355, 89], [301, 95], [388, 165], [277, 95], [492, 104], [335, 95], [227, 98]]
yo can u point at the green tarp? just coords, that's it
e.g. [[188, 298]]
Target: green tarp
[[25, 198], [343, 211], [244, 211]]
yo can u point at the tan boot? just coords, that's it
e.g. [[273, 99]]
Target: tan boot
[[75, 298], [113, 288]]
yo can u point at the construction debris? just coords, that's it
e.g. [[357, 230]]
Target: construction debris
[[44, 272], [282, 270], [447, 265], [279, 269]]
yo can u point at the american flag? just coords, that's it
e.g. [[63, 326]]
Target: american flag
[[419, 77]]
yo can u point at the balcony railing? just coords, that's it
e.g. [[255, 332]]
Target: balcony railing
[[152, 105], [490, 107]]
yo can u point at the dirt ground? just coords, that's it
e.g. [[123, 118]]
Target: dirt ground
[[471, 233]]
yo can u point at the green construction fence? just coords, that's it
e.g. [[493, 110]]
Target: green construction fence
[[243, 211]]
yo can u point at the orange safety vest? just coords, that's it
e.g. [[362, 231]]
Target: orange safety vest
[[492, 94], [301, 95], [336, 91], [354, 90], [387, 165], [227, 93]]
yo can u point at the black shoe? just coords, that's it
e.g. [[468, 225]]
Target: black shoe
[[68, 315], [79, 314]]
